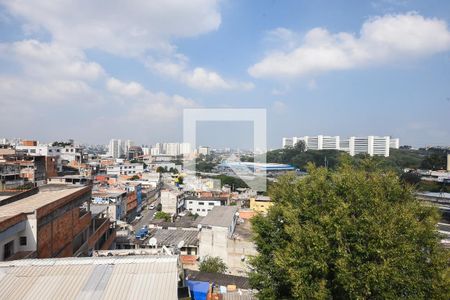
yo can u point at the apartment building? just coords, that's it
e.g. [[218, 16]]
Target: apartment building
[[51, 221], [172, 201], [114, 202], [203, 150], [203, 205], [372, 145], [125, 169]]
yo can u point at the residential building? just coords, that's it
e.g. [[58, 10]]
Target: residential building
[[394, 143], [185, 148], [52, 221], [155, 151], [222, 236], [203, 205], [372, 145], [448, 162], [172, 149], [203, 150], [129, 169], [172, 201], [115, 202], [260, 204], [116, 148], [10, 176]]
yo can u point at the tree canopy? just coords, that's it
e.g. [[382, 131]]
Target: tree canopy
[[353, 233], [399, 159], [213, 265]]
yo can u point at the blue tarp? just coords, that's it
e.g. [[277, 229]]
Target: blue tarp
[[199, 289]]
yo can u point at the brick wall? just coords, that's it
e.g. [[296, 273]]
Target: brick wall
[[55, 238]]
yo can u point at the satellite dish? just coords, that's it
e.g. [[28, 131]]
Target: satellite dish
[[180, 244], [152, 241], [199, 226]]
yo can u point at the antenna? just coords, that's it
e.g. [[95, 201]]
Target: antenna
[[152, 242]]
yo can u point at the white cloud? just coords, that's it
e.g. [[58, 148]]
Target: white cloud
[[381, 40], [144, 104], [120, 27], [50, 60], [197, 78], [46, 73], [279, 106]]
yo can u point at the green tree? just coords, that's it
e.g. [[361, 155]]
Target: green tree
[[435, 160], [135, 177], [160, 169], [213, 265], [353, 233], [162, 215]]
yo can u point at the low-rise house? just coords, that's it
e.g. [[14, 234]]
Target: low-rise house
[[172, 201], [202, 206], [129, 169], [114, 200], [221, 235], [260, 204]]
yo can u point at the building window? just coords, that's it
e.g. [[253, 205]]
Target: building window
[[23, 241], [8, 250], [190, 202], [198, 209], [203, 209], [211, 203], [201, 203]]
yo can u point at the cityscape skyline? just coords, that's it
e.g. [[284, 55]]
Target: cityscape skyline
[[94, 81]]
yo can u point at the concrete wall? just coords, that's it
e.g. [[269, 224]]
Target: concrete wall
[[201, 207]]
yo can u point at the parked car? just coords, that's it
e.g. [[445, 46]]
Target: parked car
[[138, 217], [152, 206]]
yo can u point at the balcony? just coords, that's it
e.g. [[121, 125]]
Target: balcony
[[97, 229]]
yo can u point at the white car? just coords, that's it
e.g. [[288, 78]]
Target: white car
[[152, 206], [138, 217]]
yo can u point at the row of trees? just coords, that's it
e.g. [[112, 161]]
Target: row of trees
[[399, 159], [356, 232]]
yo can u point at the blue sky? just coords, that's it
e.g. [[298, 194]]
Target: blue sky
[[95, 70]]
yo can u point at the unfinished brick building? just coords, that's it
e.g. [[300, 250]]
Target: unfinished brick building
[[52, 221]]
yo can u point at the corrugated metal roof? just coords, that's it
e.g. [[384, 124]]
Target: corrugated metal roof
[[129, 277], [171, 237]]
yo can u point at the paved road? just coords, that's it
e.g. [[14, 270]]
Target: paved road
[[147, 216]]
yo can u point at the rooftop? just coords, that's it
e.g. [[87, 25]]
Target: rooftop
[[46, 195], [221, 216], [171, 237], [219, 279], [127, 277]]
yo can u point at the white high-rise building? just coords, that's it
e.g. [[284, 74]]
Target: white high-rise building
[[155, 151], [172, 149], [203, 150], [372, 145], [127, 145], [116, 148], [395, 143], [185, 148]]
